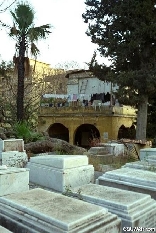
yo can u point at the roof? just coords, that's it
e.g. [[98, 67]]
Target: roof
[[77, 71]]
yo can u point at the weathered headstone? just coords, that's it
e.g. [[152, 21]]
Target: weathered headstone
[[42, 211], [4, 230], [60, 172], [134, 209], [98, 150], [130, 179], [13, 180], [144, 153], [113, 148], [13, 145], [14, 159]]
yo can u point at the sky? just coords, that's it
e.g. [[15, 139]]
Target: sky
[[67, 42]]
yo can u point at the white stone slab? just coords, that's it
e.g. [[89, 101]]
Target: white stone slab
[[60, 179], [144, 165], [114, 148], [130, 179], [43, 211], [13, 145], [144, 153], [98, 150], [4, 230], [134, 209], [13, 180], [14, 159], [152, 160], [61, 161]]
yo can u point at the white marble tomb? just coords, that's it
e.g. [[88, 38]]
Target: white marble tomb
[[134, 209], [144, 153], [60, 172], [130, 179], [39, 210], [4, 230], [13, 180]]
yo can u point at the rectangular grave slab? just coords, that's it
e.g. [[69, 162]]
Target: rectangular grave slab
[[113, 148], [134, 209], [13, 145], [4, 230], [98, 150], [144, 165], [39, 210], [60, 172], [13, 180], [130, 179], [14, 159], [152, 160], [144, 153]]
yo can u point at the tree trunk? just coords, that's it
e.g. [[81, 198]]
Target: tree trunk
[[20, 88], [142, 118]]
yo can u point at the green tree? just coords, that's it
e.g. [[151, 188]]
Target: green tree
[[125, 32], [26, 36]]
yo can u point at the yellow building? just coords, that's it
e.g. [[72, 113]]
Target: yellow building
[[80, 124]]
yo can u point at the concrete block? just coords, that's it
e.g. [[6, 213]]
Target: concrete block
[[130, 179], [98, 150], [13, 145], [114, 148], [14, 159], [13, 180], [134, 209], [144, 153], [38, 210], [59, 172]]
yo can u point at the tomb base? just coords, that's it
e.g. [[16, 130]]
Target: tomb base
[[60, 172], [13, 180], [42, 211], [134, 209], [130, 179]]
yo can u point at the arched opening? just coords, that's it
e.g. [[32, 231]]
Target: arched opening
[[127, 132], [59, 131], [85, 135]]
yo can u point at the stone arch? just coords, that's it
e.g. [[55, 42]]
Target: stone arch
[[84, 134], [127, 132], [58, 130]]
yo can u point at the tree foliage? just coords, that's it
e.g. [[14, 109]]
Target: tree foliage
[[26, 36], [125, 31]]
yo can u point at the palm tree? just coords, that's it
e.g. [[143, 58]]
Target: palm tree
[[26, 35]]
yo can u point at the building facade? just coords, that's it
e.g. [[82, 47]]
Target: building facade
[[88, 111]]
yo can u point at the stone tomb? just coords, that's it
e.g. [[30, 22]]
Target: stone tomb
[[134, 209], [60, 172], [4, 230], [149, 164], [130, 179], [13, 180], [144, 153], [12, 153], [114, 148], [13, 145], [39, 210]]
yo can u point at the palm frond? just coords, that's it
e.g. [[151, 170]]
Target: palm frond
[[37, 33], [34, 50]]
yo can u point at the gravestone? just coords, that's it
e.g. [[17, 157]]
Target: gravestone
[[113, 148], [12, 153], [98, 150], [39, 210], [4, 230], [144, 153], [148, 164], [13, 180], [130, 179], [60, 172], [14, 159], [134, 209]]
